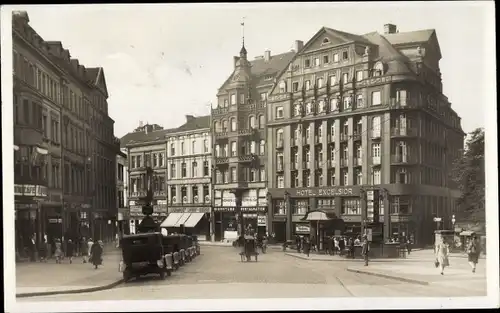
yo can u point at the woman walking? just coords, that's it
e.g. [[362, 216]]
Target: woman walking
[[84, 250], [442, 252], [70, 250], [96, 254], [90, 243], [473, 252], [58, 253]]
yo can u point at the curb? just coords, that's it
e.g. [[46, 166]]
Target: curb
[[406, 280], [317, 260], [73, 291]]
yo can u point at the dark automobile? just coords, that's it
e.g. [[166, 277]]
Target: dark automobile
[[146, 253]]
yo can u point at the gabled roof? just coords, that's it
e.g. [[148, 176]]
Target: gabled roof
[[336, 37], [95, 76], [199, 122], [260, 68]]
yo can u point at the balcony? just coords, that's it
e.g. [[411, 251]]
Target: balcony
[[344, 137], [376, 134], [306, 165], [294, 166], [404, 103], [403, 132], [220, 111], [221, 135], [221, 160], [279, 144], [138, 194], [246, 132], [160, 193], [246, 158], [331, 163], [403, 159], [344, 162]]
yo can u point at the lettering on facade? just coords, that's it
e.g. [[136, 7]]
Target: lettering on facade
[[340, 191], [261, 220], [302, 228], [30, 190]]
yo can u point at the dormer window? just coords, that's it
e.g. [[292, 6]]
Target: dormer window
[[378, 69], [282, 87], [345, 55], [326, 41]]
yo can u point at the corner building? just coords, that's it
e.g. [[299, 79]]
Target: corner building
[[65, 156], [239, 143], [354, 113]]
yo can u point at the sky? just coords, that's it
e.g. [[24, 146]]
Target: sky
[[162, 62]]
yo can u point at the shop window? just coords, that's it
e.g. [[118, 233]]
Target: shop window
[[351, 206]]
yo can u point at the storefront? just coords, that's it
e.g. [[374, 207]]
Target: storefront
[[160, 212], [226, 223], [195, 220]]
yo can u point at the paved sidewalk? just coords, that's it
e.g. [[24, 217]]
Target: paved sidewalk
[[55, 278], [230, 244]]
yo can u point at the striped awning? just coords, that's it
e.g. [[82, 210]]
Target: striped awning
[[171, 220], [182, 220]]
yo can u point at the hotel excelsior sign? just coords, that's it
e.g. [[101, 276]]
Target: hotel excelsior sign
[[324, 192]]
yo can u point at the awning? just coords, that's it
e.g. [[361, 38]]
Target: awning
[[316, 216], [182, 219], [171, 220], [42, 151], [467, 233], [193, 219]]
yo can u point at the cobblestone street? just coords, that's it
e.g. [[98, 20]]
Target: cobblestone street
[[218, 273]]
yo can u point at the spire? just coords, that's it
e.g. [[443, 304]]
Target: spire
[[243, 51]]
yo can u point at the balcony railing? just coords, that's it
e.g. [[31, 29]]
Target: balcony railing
[[160, 193], [221, 160], [403, 159], [220, 110], [138, 194], [246, 132], [403, 131], [246, 158]]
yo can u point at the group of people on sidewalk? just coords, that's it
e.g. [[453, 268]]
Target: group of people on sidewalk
[[91, 252], [442, 251]]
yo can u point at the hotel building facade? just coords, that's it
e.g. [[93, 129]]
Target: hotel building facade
[[63, 136], [352, 114], [239, 143]]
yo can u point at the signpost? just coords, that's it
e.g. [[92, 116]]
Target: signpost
[[438, 221]]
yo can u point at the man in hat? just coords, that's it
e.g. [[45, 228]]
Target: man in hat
[[365, 248]]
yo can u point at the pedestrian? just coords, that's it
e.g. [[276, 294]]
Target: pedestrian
[[473, 252], [32, 248], [84, 250], [351, 247], [341, 245], [90, 243], [96, 254], [306, 246], [409, 245], [297, 243], [365, 248], [58, 253], [70, 250], [330, 245], [442, 252]]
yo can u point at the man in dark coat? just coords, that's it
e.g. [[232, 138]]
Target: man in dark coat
[[342, 245], [70, 250], [96, 254]]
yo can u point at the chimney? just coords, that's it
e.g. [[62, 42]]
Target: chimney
[[235, 59], [299, 44], [390, 29], [189, 118], [267, 55]]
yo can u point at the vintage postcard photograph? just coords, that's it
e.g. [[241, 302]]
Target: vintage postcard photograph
[[249, 156]]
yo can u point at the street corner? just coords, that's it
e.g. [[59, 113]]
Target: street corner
[[366, 270]]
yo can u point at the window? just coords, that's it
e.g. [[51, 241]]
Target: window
[[321, 106], [359, 76], [173, 174], [233, 99], [280, 181], [206, 171], [351, 206], [183, 170], [308, 84], [234, 177], [345, 178], [326, 59], [333, 104], [262, 147], [297, 109], [225, 103], [376, 153], [253, 147], [345, 78], [45, 126], [172, 149], [263, 96], [194, 169], [316, 61], [205, 145], [332, 154], [279, 207], [376, 176], [251, 122], [262, 121], [279, 135], [335, 58], [282, 86], [279, 112], [233, 148], [376, 129], [347, 102], [345, 55], [319, 83], [299, 207], [183, 151], [295, 86], [253, 175], [376, 100], [262, 174], [402, 176], [224, 126], [139, 163], [359, 101], [333, 80], [193, 147], [307, 63], [242, 98], [359, 177], [155, 160], [233, 124], [309, 108], [401, 97]]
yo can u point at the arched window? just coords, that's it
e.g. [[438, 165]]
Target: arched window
[[216, 127], [262, 147], [279, 135], [262, 121], [319, 83], [233, 124], [224, 126], [251, 122], [282, 86]]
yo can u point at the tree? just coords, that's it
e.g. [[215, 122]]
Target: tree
[[468, 173]]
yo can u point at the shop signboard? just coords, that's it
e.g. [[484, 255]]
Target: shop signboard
[[30, 190], [302, 229], [324, 192], [261, 220]]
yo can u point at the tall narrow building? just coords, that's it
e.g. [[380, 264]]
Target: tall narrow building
[[239, 143], [354, 115]]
